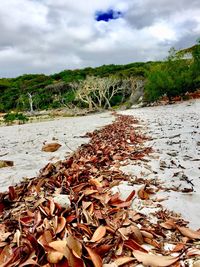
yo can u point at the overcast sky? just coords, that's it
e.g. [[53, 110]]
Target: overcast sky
[[47, 36]]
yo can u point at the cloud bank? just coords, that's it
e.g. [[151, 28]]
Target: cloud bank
[[47, 36]]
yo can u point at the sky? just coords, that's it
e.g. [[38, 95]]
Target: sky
[[48, 36]]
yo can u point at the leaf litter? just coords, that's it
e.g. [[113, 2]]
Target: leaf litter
[[92, 226]]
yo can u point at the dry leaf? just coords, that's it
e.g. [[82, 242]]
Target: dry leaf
[[133, 245], [189, 233], [123, 260], [98, 234], [54, 256], [154, 260], [51, 147], [60, 224], [196, 263], [74, 245], [143, 194], [96, 259]]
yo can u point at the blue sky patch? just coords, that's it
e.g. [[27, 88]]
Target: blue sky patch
[[107, 15]]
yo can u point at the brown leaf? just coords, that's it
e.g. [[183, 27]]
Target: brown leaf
[[123, 260], [178, 247], [152, 242], [95, 182], [12, 193], [6, 163], [133, 245], [143, 194], [193, 252], [146, 234], [124, 204], [188, 232], [169, 224], [103, 249], [51, 147], [54, 256], [196, 263], [74, 245], [51, 206], [88, 192], [98, 234], [85, 228], [3, 233], [60, 246], [5, 254], [45, 238], [60, 224], [133, 231], [96, 259], [130, 197], [154, 260]]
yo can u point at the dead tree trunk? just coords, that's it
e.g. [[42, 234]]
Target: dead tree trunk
[[30, 97]]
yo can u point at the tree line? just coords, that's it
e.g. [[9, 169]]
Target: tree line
[[106, 86]]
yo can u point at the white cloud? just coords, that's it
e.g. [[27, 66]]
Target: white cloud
[[49, 36]]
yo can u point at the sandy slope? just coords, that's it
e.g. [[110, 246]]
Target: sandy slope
[[175, 132]]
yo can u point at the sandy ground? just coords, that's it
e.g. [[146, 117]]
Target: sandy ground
[[175, 132], [22, 144]]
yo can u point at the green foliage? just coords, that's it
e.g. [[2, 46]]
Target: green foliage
[[176, 76], [9, 118]]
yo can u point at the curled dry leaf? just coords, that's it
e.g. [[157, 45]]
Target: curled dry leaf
[[51, 206], [96, 259], [178, 247], [193, 252], [143, 194], [189, 232], [98, 234], [85, 228], [154, 260], [17, 237], [131, 196], [169, 224], [146, 234], [61, 222], [51, 147]]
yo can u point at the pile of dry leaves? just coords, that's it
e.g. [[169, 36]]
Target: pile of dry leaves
[[91, 226]]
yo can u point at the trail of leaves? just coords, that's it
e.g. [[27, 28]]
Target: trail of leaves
[[93, 226]]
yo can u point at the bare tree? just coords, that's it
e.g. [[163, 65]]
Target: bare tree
[[30, 97], [137, 89], [98, 92]]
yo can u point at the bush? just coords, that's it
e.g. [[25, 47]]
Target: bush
[[9, 118]]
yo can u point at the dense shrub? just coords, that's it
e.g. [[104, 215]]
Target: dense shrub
[[9, 118]]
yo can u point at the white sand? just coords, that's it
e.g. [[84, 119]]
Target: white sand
[[175, 130]]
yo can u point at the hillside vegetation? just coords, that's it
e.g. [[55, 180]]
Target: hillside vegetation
[[105, 86]]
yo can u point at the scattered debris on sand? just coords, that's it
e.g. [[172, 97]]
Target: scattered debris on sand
[[90, 225]]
